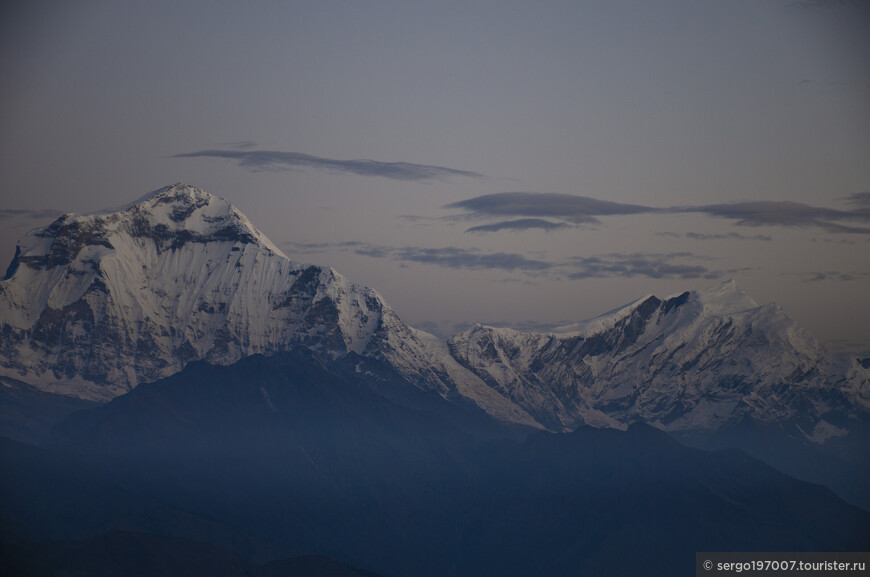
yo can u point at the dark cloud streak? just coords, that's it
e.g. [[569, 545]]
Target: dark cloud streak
[[786, 213], [29, 214], [657, 266], [458, 258], [727, 236], [519, 224], [833, 276], [240, 144], [621, 265], [860, 199], [446, 257], [585, 210], [316, 247], [257, 160], [575, 209]]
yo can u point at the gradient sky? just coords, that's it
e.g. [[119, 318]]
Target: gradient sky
[[518, 163]]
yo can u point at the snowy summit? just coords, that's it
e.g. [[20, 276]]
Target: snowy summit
[[93, 305]]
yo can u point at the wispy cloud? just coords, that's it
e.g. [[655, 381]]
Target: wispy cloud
[[679, 265], [459, 258], [529, 325], [727, 236], [241, 144], [256, 160], [784, 213], [858, 348], [29, 214], [575, 209], [860, 200], [586, 210], [447, 257], [837, 276], [519, 224], [650, 265], [432, 327], [316, 247]]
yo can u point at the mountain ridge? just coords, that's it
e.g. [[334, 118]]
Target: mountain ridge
[[95, 304], [272, 407], [696, 360]]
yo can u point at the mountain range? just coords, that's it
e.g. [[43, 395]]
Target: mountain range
[[169, 348], [93, 305]]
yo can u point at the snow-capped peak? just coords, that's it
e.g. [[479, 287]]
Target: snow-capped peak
[[725, 298], [178, 186], [171, 217], [605, 321], [692, 361], [193, 209], [721, 299], [95, 304], [117, 298]]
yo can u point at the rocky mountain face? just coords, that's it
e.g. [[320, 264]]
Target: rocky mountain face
[[713, 368], [697, 361], [271, 409], [94, 305]]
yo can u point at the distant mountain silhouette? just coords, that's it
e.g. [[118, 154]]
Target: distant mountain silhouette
[[191, 387], [327, 459], [141, 555]]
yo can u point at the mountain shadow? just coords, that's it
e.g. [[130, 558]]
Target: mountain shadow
[[141, 555], [294, 454]]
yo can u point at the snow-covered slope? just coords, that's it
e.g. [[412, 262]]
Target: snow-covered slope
[[93, 305], [695, 361]]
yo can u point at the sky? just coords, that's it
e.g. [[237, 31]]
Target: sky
[[525, 164]]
